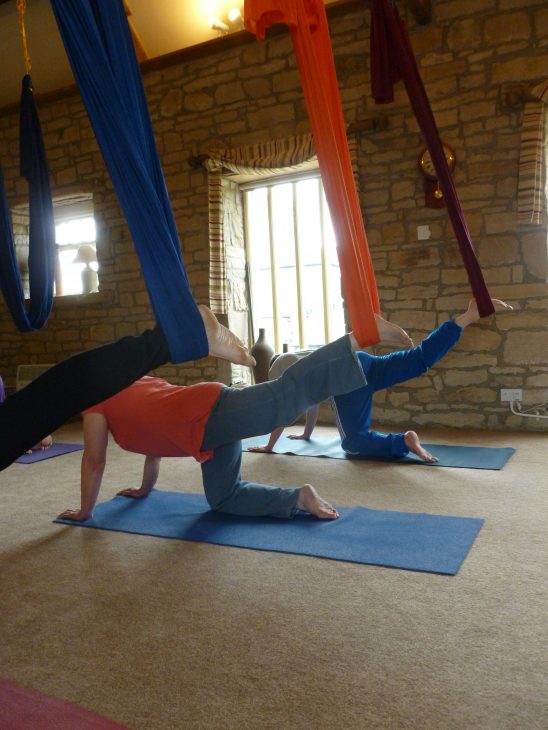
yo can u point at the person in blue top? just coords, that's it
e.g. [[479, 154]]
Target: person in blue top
[[354, 410]]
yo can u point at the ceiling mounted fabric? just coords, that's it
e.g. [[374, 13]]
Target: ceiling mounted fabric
[[307, 22], [98, 43], [392, 59], [41, 259]]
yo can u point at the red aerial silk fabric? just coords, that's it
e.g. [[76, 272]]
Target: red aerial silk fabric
[[312, 45], [392, 59]]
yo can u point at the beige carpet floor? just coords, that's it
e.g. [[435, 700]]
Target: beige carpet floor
[[163, 634]]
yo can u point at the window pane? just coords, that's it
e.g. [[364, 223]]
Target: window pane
[[287, 306], [259, 262], [76, 256], [335, 310], [283, 227], [310, 231], [79, 230]]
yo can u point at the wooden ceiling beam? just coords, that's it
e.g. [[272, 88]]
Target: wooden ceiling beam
[[421, 9]]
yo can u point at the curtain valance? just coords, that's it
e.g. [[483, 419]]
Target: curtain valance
[[533, 181]]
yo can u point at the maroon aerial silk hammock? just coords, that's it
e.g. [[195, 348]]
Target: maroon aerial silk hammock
[[310, 36], [392, 59]]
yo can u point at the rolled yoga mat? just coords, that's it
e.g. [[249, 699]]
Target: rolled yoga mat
[[464, 457], [413, 541]]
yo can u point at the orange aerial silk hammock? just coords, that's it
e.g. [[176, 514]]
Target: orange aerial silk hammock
[[307, 22]]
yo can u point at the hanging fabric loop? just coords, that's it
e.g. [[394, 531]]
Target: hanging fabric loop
[[98, 43], [307, 22], [41, 235], [392, 59]]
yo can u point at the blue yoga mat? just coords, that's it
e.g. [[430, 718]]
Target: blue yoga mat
[[56, 449], [413, 541], [465, 457]]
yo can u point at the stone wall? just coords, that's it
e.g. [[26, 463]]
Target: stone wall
[[236, 93]]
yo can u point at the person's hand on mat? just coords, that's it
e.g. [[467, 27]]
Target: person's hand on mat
[[43, 444], [298, 437], [133, 493], [414, 445], [77, 515], [260, 449]]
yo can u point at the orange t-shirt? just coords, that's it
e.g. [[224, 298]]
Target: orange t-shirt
[[155, 418]]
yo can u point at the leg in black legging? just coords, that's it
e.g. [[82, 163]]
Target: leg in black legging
[[73, 385]]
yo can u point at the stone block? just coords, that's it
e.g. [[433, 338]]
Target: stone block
[[102, 333], [457, 359], [472, 395], [505, 27], [463, 378], [198, 102], [500, 222], [498, 251], [478, 338], [420, 277], [464, 34], [540, 23], [417, 256], [526, 347], [265, 118], [413, 320], [535, 253], [517, 69]]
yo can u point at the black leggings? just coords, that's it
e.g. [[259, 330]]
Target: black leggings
[[73, 385]]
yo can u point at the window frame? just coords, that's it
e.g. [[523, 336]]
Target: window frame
[[269, 183]]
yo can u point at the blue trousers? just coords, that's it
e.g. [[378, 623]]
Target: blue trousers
[[353, 411], [259, 409]]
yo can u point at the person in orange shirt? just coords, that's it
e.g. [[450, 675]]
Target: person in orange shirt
[[208, 422]]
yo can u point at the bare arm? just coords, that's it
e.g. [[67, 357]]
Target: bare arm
[[274, 436], [151, 471], [93, 466], [310, 424]]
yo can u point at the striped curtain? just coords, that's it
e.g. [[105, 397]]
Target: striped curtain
[[532, 158], [263, 159]]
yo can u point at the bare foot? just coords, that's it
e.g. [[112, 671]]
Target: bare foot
[[310, 501], [222, 342], [391, 334], [414, 445], [260, 449], [472, 314]]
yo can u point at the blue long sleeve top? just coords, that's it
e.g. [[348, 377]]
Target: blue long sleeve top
[[353, 410]]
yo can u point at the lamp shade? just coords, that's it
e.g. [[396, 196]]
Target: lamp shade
[[86, 255]]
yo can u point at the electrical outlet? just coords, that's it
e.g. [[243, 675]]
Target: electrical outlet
[[511, 394]]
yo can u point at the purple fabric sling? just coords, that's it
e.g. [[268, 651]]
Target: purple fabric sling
[[392, 59]]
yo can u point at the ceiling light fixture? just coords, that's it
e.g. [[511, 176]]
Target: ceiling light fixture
[[234, 15]]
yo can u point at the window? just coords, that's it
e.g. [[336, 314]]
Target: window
[[75, 239], [294, 271]]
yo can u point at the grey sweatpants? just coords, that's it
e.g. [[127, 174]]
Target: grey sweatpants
[[240, 413]]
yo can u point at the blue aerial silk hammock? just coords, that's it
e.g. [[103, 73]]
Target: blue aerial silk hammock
[[98, 43], [33, 166]]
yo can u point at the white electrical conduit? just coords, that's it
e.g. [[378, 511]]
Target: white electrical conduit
[[527, 413]]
